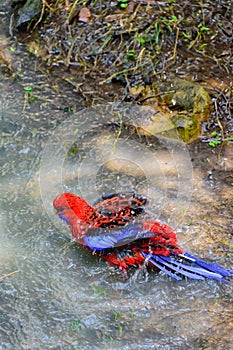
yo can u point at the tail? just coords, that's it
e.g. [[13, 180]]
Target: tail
[[187, 265]]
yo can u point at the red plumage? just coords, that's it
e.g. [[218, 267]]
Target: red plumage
[[109, 229]]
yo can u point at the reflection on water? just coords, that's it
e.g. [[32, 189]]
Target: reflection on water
[[62, 297]]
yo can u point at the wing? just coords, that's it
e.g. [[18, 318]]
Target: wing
[[100, 239], [127, 204]]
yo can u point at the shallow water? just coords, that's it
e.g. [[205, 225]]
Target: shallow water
[[62, 297]]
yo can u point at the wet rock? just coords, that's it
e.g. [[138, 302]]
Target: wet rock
[[27, 12], [6, 57], [184, 103]]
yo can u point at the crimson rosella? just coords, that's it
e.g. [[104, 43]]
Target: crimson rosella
[[109, 229]]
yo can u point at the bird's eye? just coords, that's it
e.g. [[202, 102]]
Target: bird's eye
[[61, 208]]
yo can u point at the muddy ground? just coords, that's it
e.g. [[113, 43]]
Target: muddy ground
[[104, 49]]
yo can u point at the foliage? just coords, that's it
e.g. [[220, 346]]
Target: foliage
[[142, 38], [134, 42], [217, 139]]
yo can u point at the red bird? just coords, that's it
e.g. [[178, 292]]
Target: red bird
[[108, 228]]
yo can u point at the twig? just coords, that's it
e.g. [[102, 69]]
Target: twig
[[217, 116], [44, 5], [8, 274], [175, 46], [121, 72]]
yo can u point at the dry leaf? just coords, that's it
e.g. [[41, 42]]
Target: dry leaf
[[84, 15], [130, 7]]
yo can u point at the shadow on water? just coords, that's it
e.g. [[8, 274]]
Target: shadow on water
[[62, 297]]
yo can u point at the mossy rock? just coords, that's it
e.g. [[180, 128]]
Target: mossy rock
[[186, 103]]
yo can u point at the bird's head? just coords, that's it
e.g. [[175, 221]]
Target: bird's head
[[69, 205]]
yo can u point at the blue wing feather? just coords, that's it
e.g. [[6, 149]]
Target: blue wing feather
[[114, 238], [63, 217]]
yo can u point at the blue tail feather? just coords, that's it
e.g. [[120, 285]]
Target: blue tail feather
[[161, 266], [196, 272], [180, 268], [210, 266], [189, 266]]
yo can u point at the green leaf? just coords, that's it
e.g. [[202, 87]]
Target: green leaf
[[130, 53], [203, 28], [141, 40], [187, 36], [28, 89]]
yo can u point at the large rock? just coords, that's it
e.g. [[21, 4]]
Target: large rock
[[182, 103]]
